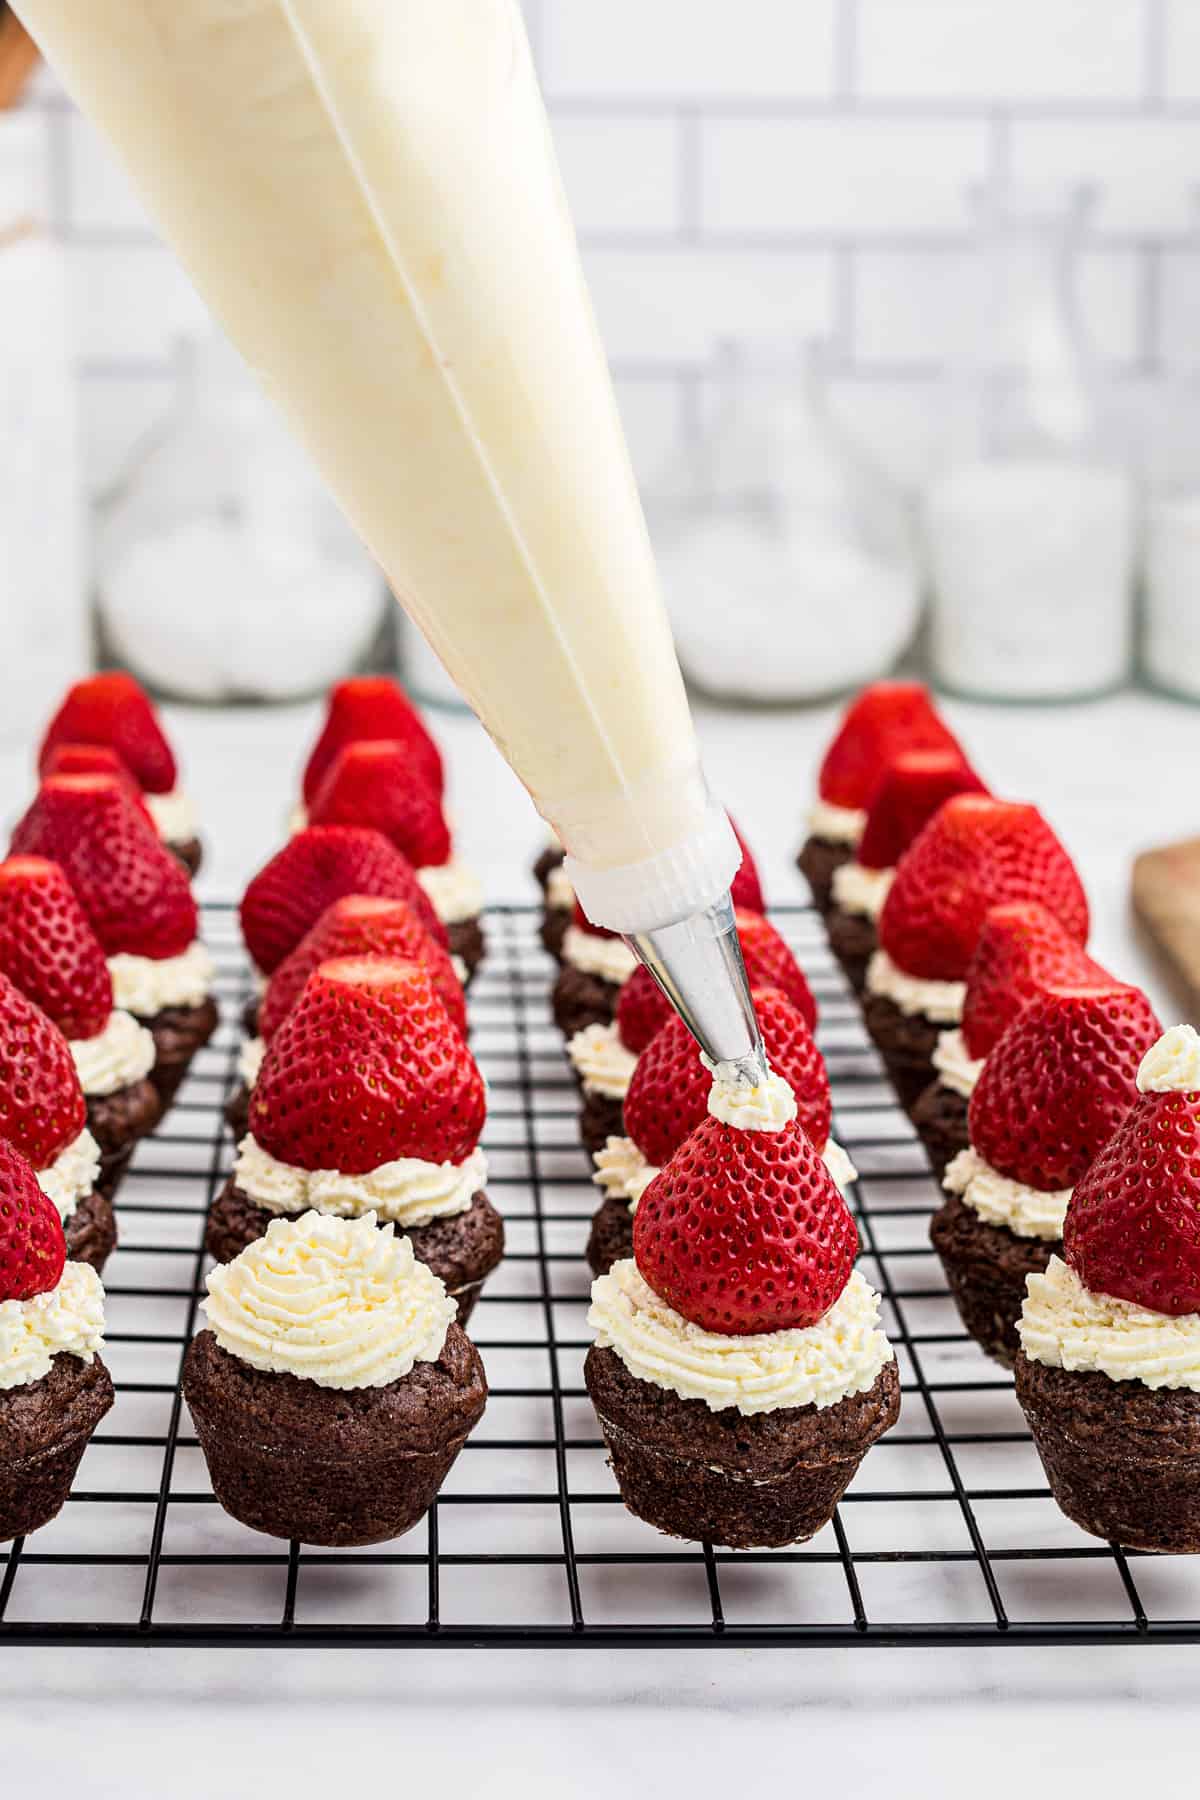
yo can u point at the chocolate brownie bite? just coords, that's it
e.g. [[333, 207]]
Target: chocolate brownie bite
[[906, 1040], [189, 852], [54, 1390], [610, 1239], [819, 859], [603, 1065], [1108, 1374], [854, 940], [179, 1032], [340, 1442], [940, 1121], [1053, 1090], [596, 964]]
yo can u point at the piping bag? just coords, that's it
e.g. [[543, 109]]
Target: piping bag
[[366, 194]]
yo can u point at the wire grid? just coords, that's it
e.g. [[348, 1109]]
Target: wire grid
[[947, 1535]]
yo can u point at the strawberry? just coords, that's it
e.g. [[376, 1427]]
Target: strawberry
[[745, 1231], [1133, 1223], [112, 709], [365, 1069], [42, 1107], [746, 889], [376, 783], [361, 925], [88, 759], [33, 1250], [48, 949], [668, 1095], [315, 868], [1022, 950], [916, 784], [137, 898], [1060, 1081], [885, 719], [643, 1009], [372, 706], [974, 853]]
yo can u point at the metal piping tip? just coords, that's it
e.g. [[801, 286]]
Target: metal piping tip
[[698, 965]]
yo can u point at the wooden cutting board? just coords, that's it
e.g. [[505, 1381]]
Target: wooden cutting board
[[18, 54], [1166, 899]]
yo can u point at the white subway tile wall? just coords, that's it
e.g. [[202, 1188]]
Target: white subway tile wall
[[773, 167]]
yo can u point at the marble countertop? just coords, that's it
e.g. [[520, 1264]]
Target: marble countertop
[[1113, 777]]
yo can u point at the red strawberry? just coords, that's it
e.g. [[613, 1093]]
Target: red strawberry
[[643, 1009], [376, 783], [112, 709], [1133, 1224], [668, 1095], [886, 718], [42, 1107], [361, 925], [916, 784], [974, 853], [372, 706], [1022, 950], [1060, 1081], [745, 1231], [316, 867], [88, 759], [33, 1250], [48, 949], [136, 896], [367, 1068], [746, 890]]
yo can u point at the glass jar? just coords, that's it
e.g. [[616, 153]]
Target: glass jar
[[1170, 652], [787, 558], [224, 569], [1029, 525]]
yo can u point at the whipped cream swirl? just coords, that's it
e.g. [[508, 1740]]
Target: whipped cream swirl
[[405, 1192], [1172, 1066], [453, 890], [1066, 1326], [602, 1062], [118, 1056], [73, 1174], [957, 1069], [610, 959], [68, 1321], [1028, 1212], [940, 1001], [815, 1365], [144, 985], [861, 891], [768, 1106], [560, 894], [836, 824], [250, 1059], [337, 1301]]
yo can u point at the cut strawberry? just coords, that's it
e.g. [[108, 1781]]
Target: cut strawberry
[[1059, 1082], [1023, 949], [916, 784], [1133, 1224], [885, 719], [372, 706], [378, 784], [48, 950], [746, 890], [136, 896], [112, 709], [365, 1069], [361, 925], [974, 853], [42, 1108], [643, 1009], [745, 1231], [668, 1094], [33, 1249], [318, 866]]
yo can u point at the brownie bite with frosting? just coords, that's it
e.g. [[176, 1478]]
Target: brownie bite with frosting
[[332, 1390]]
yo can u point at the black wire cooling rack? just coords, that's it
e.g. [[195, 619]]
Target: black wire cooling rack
[[948, 1535]]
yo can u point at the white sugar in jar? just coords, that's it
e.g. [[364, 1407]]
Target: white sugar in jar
[[1031, 561]]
